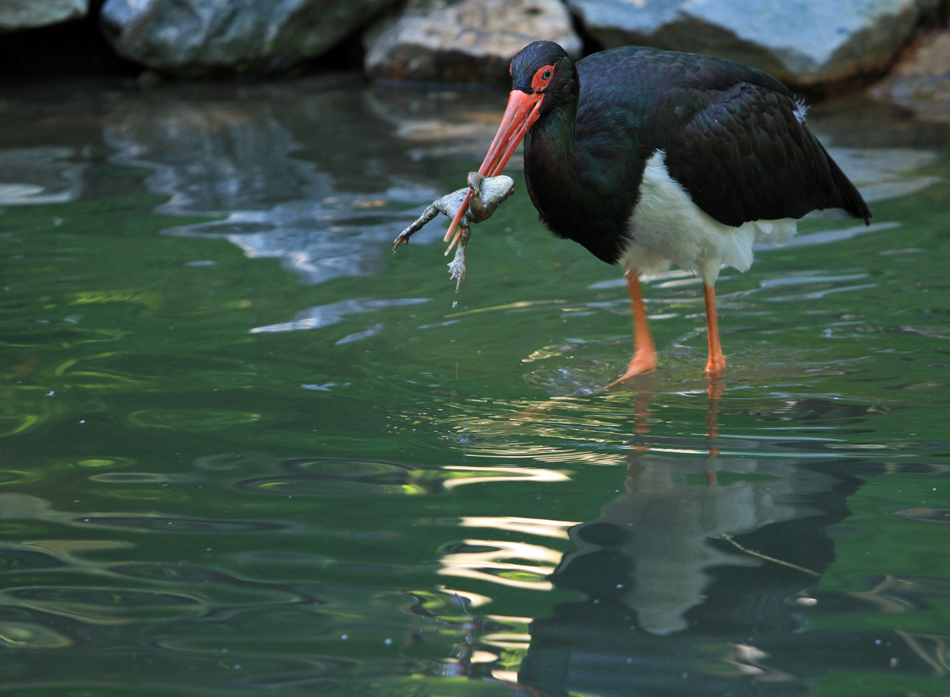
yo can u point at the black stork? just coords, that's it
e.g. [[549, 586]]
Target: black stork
[[647, 157]]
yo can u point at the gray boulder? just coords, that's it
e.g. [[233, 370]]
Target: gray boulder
[[28, 14], [920, 82], [198, 37], [803, 42], [463, 41]]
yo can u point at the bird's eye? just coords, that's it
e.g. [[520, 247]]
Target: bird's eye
[[542, 78]]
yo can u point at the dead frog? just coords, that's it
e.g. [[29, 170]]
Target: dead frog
[[480, 201]]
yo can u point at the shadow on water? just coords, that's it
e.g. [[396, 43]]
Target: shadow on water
[[246, 449]]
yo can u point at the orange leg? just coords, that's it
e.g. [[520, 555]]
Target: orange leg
[[716, 366], [644, 353]]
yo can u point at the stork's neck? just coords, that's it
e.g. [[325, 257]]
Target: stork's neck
[[551, 169], [549, 145], [568, 179]]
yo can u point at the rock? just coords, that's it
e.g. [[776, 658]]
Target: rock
[[28, 14], [801, 42], [200, 37], [463, 41], [921, 80]]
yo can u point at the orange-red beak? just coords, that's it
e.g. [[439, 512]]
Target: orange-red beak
[[522, 112]]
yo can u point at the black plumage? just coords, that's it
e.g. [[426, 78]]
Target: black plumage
[[732, 134]]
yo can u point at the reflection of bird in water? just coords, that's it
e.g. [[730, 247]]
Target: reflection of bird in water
[[658, 541], [671, 603], [701, 578], [647, 156], [653, 545]]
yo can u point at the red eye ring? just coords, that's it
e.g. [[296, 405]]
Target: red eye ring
[[542, 77]]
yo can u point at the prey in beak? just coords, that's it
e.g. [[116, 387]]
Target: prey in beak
[[522, 111], [489, 193], [490, 189]]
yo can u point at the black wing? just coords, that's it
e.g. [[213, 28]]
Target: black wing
[[734, 137], [748, 156]]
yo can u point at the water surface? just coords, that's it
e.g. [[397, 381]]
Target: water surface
[[244, 449]]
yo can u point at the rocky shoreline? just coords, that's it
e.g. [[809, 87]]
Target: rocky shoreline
[[900, 48]]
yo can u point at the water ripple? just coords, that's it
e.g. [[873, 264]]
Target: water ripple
[[26, 560], [340, 477], [104, 605], [30, 635], [178, 525]]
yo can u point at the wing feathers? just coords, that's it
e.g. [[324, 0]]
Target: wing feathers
[[746, 156], [735, 137]]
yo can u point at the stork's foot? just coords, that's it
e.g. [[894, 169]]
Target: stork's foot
[[642, 363], [716, 366]]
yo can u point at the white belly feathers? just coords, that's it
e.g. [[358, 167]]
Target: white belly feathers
[[667, 226]]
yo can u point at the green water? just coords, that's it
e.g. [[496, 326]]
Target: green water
[[244, 449]]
